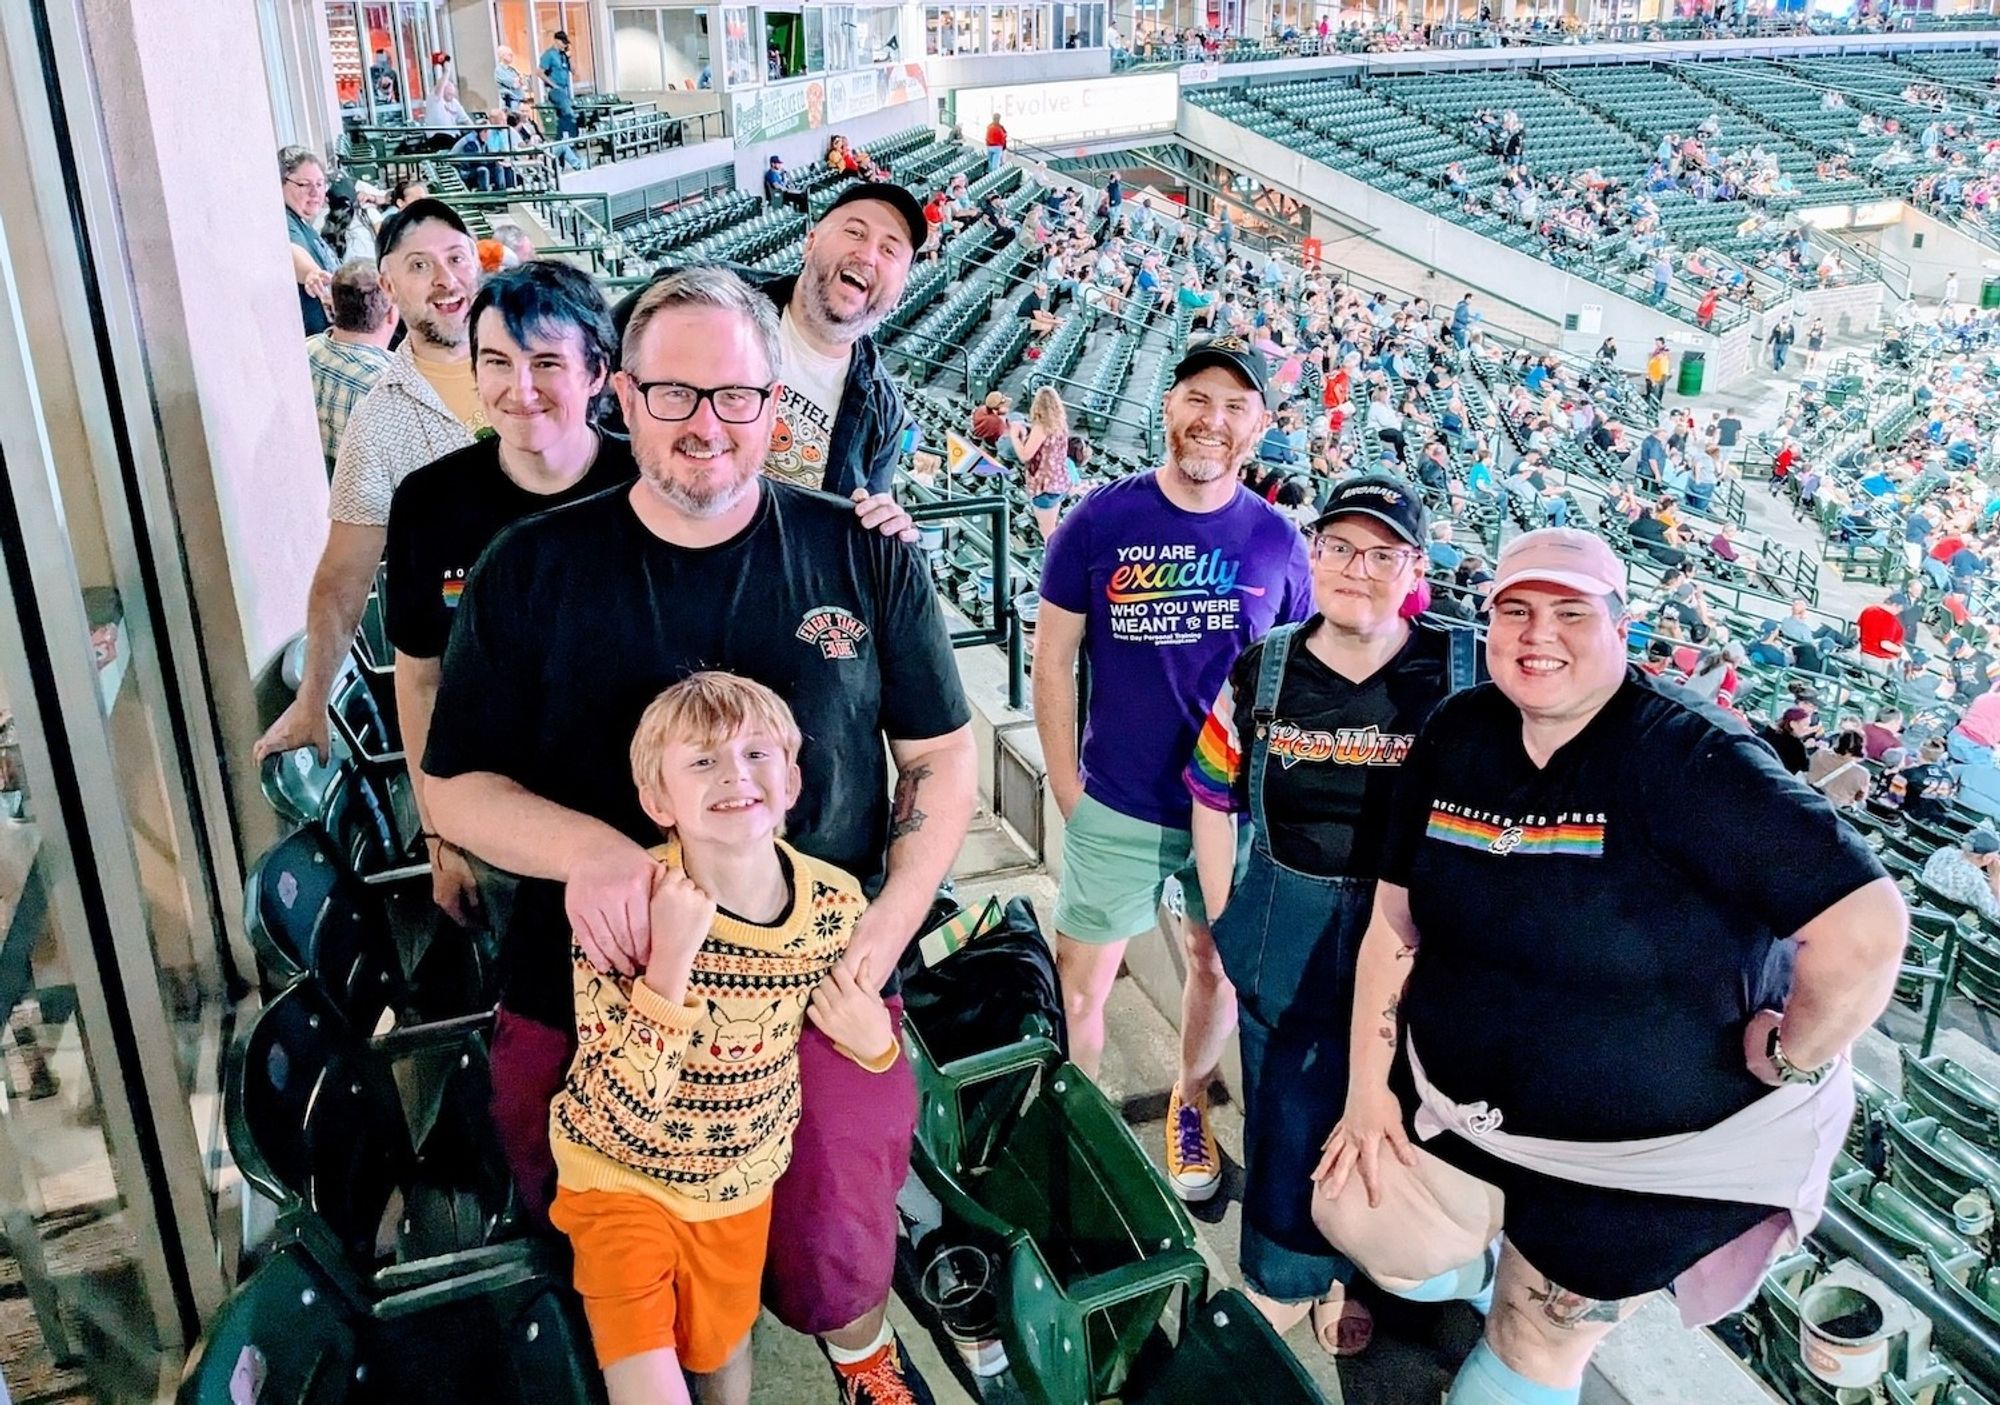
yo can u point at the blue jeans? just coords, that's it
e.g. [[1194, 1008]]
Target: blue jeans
[[993, 156], [1288, 941], [565, 119]]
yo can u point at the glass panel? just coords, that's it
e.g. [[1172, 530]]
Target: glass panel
[[842, 32], [741, 60], [350, 65], [815, 26], [971, 30], [939, 32], [582, 32], [510, 23], [1005, 24], [685, 48], [880, 39], [635, 35], [385, 79], [1034, 27], [69, 1234], [413, 34]]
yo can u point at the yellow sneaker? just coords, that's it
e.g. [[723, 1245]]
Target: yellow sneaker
[[1194, 1165]]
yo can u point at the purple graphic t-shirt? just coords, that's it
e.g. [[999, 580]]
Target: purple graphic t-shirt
[[1170, 598]]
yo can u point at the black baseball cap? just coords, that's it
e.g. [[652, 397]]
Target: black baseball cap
[[894, 196], [402, 221], [1392, 501], [1231, 353]]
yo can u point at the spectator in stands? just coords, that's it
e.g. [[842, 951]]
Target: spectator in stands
[[516, 241], [350, 355], [1657, 365], [554, 66], [304, 184], [1968, 873], [1041, 447], [508, 80], [531, 773], [1780, 339], [1928, 786], [542, 352], [1663, 274], [1461, 321], [996, 144], [1884, 733], [1791, 739], [407, 191], [1839, 771], [1815, 345], [491, 138], [1187, 526], [1034, 307], [990, 420], [1463, 893], [778, 187], [1286, 934], [444, 112], [423, 405], [1387, 421]]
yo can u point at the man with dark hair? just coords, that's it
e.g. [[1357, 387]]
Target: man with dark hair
[[570, 626], [840, 419], [349, 357], [423, 405], [556, 80], [541, 354]]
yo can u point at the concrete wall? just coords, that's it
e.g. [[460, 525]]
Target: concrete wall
[[1945, 250], [617, 177], [808, 148], [1462, 256], [987, 70]]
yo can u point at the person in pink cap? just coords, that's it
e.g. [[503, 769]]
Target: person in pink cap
[[1602, 1008]]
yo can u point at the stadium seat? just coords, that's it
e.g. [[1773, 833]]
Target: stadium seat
[[1026, 1155]]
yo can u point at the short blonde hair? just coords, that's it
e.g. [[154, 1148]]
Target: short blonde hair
[[705, 709]]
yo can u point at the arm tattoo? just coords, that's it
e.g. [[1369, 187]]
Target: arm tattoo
[[904, 816], [1571, 1310], [1388, 1028]]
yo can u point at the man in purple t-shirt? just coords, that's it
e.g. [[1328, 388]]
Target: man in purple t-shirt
[[1163, 577]]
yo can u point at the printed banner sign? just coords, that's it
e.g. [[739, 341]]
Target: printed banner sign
[[775, 110]]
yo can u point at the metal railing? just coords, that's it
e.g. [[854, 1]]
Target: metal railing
[[1004, 627]]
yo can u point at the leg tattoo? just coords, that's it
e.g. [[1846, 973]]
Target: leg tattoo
[[1571, 1310]]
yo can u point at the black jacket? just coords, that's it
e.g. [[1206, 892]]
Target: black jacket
[[867, 430]]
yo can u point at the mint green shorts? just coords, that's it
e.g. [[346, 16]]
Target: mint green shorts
[[1115, 869]]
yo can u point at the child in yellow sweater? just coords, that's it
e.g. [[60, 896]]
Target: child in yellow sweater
[[677, 1115]]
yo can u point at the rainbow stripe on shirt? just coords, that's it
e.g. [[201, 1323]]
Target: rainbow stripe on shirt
[[452, 590], [1575, 837], [1211, 772]]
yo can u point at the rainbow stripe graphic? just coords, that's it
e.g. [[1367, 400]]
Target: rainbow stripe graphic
[[452, 590], [1577, 840]]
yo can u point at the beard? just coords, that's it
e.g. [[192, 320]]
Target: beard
[[437, 331], [817, 284], [711, 494], [1199, 463]]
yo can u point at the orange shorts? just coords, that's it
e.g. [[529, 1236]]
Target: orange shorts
[[650, 1280]]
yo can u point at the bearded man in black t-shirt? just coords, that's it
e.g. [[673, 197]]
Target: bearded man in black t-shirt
[[572, 623]]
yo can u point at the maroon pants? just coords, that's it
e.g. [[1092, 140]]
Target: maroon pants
[[833, 1215]]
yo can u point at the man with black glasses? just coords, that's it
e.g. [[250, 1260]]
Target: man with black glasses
[[571, 624]]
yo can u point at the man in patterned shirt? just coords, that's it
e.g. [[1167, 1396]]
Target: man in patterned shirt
[[1968, 872], [349, 357], [423, 406]]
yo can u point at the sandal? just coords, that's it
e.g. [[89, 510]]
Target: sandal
[[1344, 1327]]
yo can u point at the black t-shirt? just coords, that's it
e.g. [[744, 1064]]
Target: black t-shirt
[[575, 620], [446, 513], [1727, 429], [1336, 747], [1596, 932], [1030, 305]]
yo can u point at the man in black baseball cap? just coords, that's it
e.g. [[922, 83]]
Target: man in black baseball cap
[[840, 418], [1232, 353], [1387, 499]]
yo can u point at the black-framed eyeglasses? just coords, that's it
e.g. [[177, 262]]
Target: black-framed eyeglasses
[[307, 185], [1377, 562], [673, 401]]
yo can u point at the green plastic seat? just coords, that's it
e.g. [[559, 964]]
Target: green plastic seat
[[1899, 1220], [1227, 1351], [1959, 1099], [1936, 1165], [1026, 1155]]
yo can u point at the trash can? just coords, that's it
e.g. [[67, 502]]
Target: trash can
[[1693, 366], [1989, 294]]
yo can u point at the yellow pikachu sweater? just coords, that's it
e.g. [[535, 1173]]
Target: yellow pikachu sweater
[[694, 1107]]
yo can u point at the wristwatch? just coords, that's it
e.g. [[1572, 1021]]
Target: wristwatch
[[1789, 1072]]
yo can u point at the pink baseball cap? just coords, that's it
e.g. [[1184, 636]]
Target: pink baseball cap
[[1560, 556]]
